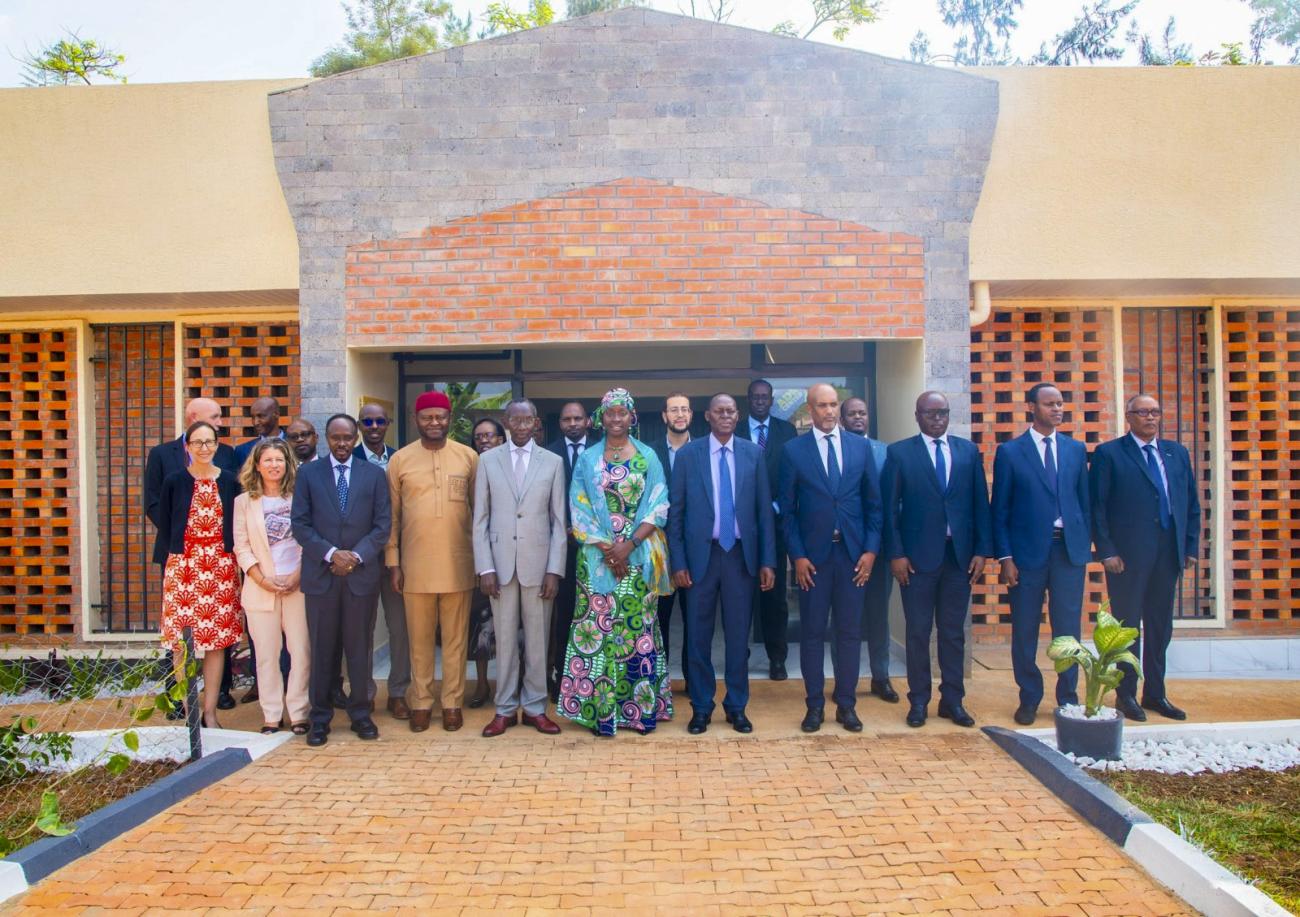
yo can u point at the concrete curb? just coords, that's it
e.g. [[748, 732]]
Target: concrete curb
[[1171, 861]]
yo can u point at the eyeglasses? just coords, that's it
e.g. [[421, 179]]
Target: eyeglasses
[[203, 443], [298, 437], [939, 412], [1148, 413], [374, 421]]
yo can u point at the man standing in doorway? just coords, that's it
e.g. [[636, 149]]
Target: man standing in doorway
[[430, 556], [265, 415], [875, 620], [677, 417], [771, 433], [573, 441]]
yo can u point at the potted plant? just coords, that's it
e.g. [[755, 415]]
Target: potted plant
[[1094, 731]]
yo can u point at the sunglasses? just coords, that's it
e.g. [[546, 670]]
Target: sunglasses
[[374, 421]]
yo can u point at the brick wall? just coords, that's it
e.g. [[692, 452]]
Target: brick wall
[[40, 571], [635, 259], [235, 363]]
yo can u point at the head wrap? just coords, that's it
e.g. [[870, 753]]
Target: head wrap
[[615, 396], [432, 400]]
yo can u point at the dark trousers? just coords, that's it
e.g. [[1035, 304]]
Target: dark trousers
[[562, 621], [726, 579], [340, 618], [774, 608], [832, 589], [875, 617], [1143, 597], [938, 598], [1062, 582], [399, 665]]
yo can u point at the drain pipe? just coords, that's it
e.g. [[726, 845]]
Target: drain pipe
[[981, 303]]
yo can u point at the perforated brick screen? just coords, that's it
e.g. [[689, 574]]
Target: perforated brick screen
[[237, 363]]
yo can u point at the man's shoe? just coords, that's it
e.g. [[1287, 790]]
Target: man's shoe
[[916, 715], [251, 696], [365, 728], [812, 720], [225, 701], [848, 718], [1165, 709], [884, 690], [317, 736], [776, 671], [1026, 714], [1129, 709], [698, 724], [500, 723], [452, 719], [398, 709], [542, 723], [338, 700], [957, 713], [740, 722], [420, 720]]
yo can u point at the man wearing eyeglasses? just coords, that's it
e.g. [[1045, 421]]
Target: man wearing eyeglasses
[[1146, 524], [303, 439]]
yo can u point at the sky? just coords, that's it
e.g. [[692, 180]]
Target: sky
[[189, 40]]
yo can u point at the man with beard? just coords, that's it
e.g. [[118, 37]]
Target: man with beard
[[677, 417]]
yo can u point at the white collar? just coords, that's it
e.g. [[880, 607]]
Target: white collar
[[929, 440], [715, 446], [527, 447], [335, 463], [836, 432], [1140, 444], [1038, 437]]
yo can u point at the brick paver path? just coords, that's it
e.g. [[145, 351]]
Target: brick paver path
[[833, 823]]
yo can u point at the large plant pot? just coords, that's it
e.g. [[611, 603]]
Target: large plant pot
[[1098, 739]]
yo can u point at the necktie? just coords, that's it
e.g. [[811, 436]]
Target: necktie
[[519, 468], [762, 436], [573, 455], [1154, 468], [832, 463], [343, 488], [726, 504], [1050, 464], [940, 464]]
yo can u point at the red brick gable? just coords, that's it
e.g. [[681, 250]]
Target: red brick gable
[[632, 259]]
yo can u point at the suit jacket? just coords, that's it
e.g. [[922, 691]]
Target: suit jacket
[[690, 513], [1025, 506], [163, 459], [245, 449], [1126, 503], [360, 452], [660, 447], [174, 510], [561, 448], [520, 532], [253, 548], [810, 511], [779, 432], [919, 513], [319, 526]]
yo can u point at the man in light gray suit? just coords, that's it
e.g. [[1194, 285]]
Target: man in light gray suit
[[519, 552]]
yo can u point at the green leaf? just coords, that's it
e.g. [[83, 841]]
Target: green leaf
[[131, 740], [176, 692], [163, 703], [30, 724], [117, 764], [1131, 660], [143, 714], [48, 821], [1065, 648]]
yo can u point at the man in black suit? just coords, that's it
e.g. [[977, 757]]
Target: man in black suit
[[573, 441], [341, 516], [162, 460], [938, 536], [771, 434], [265, 414], [302, 437], [677, 417], [1146, 524]]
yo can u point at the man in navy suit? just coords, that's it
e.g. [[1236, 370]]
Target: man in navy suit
[[265, 413], [830, 504], [341, 516], [575, 425], [770, 434], [1146, 523], [721, 540], [938, 536], [677, 416], [1042, 537]]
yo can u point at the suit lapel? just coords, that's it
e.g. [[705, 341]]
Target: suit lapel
[[530, 474], [955, 461], [1031, 453], [921, 446], [1131, 449]]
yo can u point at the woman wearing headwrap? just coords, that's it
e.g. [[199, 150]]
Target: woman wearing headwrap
[[615, 670]]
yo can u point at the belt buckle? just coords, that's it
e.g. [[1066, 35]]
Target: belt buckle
[[837, 536]]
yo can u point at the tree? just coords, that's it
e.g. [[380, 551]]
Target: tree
[[717, 10], [919, 50], [844, 14], [504, 19], [71, 60], [1275, 20], [576, 8], [1090, 38], [1166, 51], [382, 30], [979, 24]]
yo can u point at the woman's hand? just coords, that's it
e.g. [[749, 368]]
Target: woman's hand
[[616, 557]]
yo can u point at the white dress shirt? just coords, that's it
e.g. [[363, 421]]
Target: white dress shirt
[[715, 455], [1160, 459], [755, 423], [1040, 444], [335, 465], [934, 460], [823, 440], [524, 452]]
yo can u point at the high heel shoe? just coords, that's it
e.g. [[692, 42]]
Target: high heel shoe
[[213, 725]]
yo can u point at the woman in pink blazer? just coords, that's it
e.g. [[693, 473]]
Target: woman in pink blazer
[[272, 565]]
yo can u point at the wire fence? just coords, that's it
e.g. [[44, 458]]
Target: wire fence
[[77, 733]]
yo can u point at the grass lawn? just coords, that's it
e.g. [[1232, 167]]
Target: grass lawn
[[1248, 820]]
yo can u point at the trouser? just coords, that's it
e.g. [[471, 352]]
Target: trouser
[[936, 598], [666, 603], [426, 613], [338, 617], [1062, 582], [1143, 597], [283, 625], [773, 607], [833, 588], [521, 606], [399, 651], [727, 579], [561, 621], [875, 618]]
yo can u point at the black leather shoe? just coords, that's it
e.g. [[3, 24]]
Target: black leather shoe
[[225, 701], [884, 690], [1165, 709], [957, 713], [776, 671], [317, 736], [812, 720], [1026, 714], [338, 700], [848, 718], [251, 696], [740, 722], [698, 724], [365, 729], [1129, 709], [916, 715]]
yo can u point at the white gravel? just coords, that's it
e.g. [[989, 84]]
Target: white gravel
[[1080, 712], [1195, 756]]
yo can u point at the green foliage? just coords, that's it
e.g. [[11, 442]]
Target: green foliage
[[70, 61], [842, 15], [466, 402], [13, 678], [1278, 21], [23, 748], [983, 27], [384, 30], [1091, 37], [576, 8], [501, 17], [1101, 670], [1164, 51]]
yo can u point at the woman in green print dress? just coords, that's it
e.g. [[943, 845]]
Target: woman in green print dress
[[615, 671]]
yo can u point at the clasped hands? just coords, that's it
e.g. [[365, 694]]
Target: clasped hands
[[344, 562], [616, 556]]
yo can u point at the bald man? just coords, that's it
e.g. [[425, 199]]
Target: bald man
[[265, 416]]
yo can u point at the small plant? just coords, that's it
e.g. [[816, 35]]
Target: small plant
[[1101, 672], [23, 749], [13, 678]]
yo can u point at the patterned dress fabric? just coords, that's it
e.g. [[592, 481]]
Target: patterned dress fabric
[[615, 670], [201, 586]]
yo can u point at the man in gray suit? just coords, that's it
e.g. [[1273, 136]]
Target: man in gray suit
[[519, 551]]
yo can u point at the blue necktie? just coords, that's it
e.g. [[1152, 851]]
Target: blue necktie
[[343, 488], [762, 436], [940, 465], [726, 504], [1154, 468], [832, 464]]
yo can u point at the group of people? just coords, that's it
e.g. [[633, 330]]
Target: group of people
[[566, 561]]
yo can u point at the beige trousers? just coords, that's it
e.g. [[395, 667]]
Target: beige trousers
[[426, 612], [289, 616]]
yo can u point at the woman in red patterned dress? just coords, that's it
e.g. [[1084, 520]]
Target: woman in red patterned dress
[[201, 579]]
